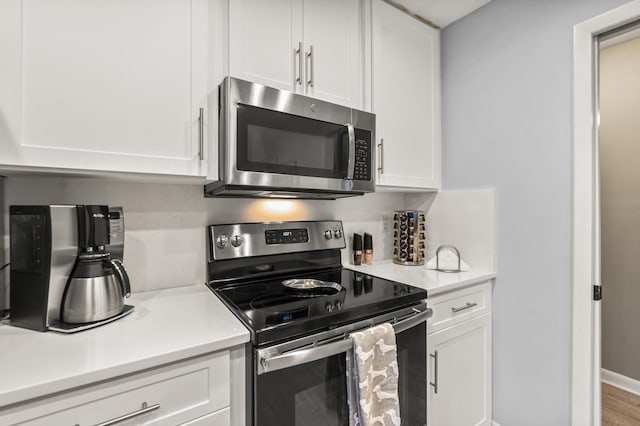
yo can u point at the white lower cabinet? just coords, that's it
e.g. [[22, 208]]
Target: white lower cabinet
[[192, 392], [459, 360], [219, 418]]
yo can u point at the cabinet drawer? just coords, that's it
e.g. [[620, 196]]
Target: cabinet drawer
[[219, 418], [456, 306], [172, 395]]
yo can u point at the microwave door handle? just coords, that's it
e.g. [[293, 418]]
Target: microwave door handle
[[351, 164], [267, 364]]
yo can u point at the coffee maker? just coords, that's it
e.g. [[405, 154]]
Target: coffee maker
[[66, 271]]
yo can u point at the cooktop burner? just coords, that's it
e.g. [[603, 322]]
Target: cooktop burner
[[253, 290], [308, 287], [277, 303], [283, 312]]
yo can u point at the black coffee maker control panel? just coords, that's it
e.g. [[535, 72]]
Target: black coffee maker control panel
[[93, 226]]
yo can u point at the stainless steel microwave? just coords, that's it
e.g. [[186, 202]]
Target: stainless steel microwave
[[274, 143]]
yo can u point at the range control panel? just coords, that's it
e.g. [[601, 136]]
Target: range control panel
[[261, 239], [286, 236]]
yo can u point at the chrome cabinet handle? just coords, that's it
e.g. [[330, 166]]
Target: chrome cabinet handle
[[300, 65], [201, 134], [464, 308], [380, 147], [144, 410], [351, 165], [434, 355], [312, 79]]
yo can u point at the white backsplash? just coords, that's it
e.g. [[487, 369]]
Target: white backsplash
[[465, 219], [165, 224]]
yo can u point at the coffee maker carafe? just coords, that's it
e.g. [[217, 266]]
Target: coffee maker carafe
[[98, 284], [66, 271]]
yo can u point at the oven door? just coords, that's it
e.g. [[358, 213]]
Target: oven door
[[307, 386], [275, 139]]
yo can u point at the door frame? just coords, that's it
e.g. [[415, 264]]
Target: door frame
[[585, 366]]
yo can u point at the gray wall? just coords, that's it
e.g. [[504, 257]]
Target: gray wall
[[507, 114], [620, 206]]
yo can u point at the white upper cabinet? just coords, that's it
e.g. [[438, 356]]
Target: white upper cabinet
[[406, 99], [309, 47], [104, 85], [263, 38], [333, 36]]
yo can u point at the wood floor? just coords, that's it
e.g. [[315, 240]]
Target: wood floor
[[619, 408]]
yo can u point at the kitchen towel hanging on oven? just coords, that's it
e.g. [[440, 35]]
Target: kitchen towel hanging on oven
[[372, 378]]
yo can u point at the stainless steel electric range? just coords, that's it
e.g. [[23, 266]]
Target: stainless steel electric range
[[286, 283]]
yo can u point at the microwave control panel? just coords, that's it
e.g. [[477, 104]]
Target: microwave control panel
[[363, 164]]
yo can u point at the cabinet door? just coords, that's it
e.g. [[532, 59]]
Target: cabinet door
[[103, 85], [264, 40], [459, 374], [333, 39], [405, 98], [163, 396]]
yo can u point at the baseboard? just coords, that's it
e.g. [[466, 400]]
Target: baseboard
[[620, 381], [495, 423]]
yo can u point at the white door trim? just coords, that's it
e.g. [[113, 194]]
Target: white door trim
[[585, 401]]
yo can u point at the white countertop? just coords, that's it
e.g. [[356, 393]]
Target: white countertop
[[433, 281], [166, 326]]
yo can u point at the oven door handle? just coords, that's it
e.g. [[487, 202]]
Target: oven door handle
[[268, 364], [351, 160]]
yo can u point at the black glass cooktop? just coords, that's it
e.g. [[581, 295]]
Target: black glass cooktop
[[274, 311]]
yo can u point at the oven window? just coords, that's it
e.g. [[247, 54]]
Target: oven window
[[315, 393], [308, 394], [276, 142]]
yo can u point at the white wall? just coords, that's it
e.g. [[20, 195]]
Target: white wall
[[506, 91], [165, 243]]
